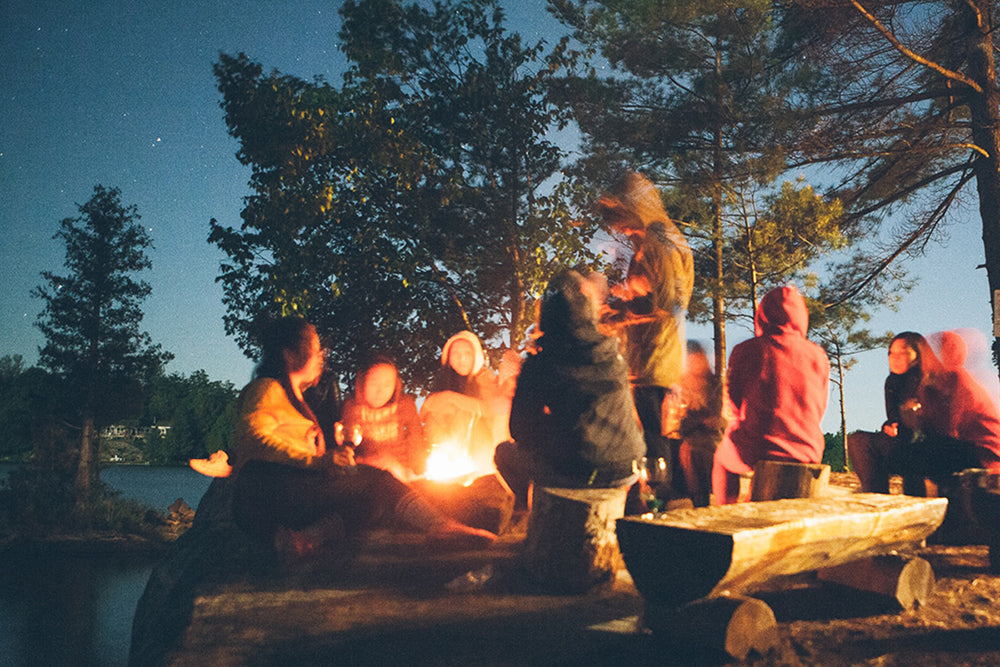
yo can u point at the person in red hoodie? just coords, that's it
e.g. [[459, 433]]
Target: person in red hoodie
[[778, 387]]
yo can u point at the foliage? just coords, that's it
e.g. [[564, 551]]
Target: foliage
[[693, 94], [201, 414], [833, 452], [419, 198], [15, 408], [35, 502], [91, 318]]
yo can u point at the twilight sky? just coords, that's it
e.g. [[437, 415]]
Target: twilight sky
[[121, 93]]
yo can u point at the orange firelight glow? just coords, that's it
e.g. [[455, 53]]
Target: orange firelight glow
[[452, 462]]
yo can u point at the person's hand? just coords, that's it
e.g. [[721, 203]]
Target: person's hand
[[343, 456], [319, 443], [216, 465], [891, 430]]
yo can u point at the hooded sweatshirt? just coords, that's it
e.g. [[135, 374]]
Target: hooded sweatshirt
[[655, 349], [572, 409], [778, 384]]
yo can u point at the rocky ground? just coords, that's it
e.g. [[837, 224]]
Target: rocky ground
[[399, 602]]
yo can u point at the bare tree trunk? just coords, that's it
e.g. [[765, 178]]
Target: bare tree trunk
[[984, 109], [843, 410], [718, 302], [87, 468]]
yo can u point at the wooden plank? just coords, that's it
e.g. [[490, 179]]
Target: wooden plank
[[686, 554]]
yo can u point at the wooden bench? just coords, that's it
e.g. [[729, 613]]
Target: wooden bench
[[571, 544], [684, 561]]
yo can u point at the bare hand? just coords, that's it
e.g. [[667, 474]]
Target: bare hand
[[343, 456], [891, 430], [318, 442]]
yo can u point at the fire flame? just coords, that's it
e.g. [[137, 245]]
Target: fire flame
[[450, 461]]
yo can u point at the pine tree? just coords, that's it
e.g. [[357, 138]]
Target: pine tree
[[91, 319]]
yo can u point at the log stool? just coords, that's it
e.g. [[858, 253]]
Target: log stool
[[777, 480], [571, 545], [973, 515]]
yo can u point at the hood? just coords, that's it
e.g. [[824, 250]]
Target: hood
[[951, 349], [782, 310], [567, 313], [477, 348], [636, 194]]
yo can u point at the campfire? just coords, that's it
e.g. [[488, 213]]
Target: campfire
[[452, 462], [466, 486]]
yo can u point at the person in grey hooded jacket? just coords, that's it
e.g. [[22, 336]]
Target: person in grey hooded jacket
[[572, 416]]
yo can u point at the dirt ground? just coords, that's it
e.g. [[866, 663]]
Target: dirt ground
[[399, 603]]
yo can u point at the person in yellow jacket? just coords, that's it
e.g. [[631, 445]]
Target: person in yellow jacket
[[650, 306]]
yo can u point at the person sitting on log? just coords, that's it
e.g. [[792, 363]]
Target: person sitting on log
[[460, 411], [702, 424], [778, 390], [382, 421], [290, 490], [572, 418], [938, 421]]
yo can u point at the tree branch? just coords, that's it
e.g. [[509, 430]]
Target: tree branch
[[956, 76]]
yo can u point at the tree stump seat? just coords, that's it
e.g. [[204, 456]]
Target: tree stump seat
[[973, 515], [775, 480], [571, 545]]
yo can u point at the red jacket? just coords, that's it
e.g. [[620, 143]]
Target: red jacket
[[778, 384]]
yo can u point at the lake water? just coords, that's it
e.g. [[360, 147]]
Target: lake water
[[78, 610]]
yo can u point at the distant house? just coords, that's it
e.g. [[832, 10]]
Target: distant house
[[123, 432]]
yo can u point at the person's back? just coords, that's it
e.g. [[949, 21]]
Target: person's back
[[573, 406], [572, 415], [778, 384]]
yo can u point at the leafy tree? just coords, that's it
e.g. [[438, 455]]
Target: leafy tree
[[15, 407], [200, 412], [419, 198], [90, 321]]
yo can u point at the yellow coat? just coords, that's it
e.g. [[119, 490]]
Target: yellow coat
[[270, 428]]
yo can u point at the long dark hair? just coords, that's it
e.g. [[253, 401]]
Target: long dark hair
[[926, 361], [370, 362], [286, 334]]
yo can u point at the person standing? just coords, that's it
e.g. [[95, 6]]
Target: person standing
[[650, 305]]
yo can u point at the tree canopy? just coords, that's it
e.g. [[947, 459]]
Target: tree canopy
[[419, 198]]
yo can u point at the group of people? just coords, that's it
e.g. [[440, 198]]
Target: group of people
[[608, 394]]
